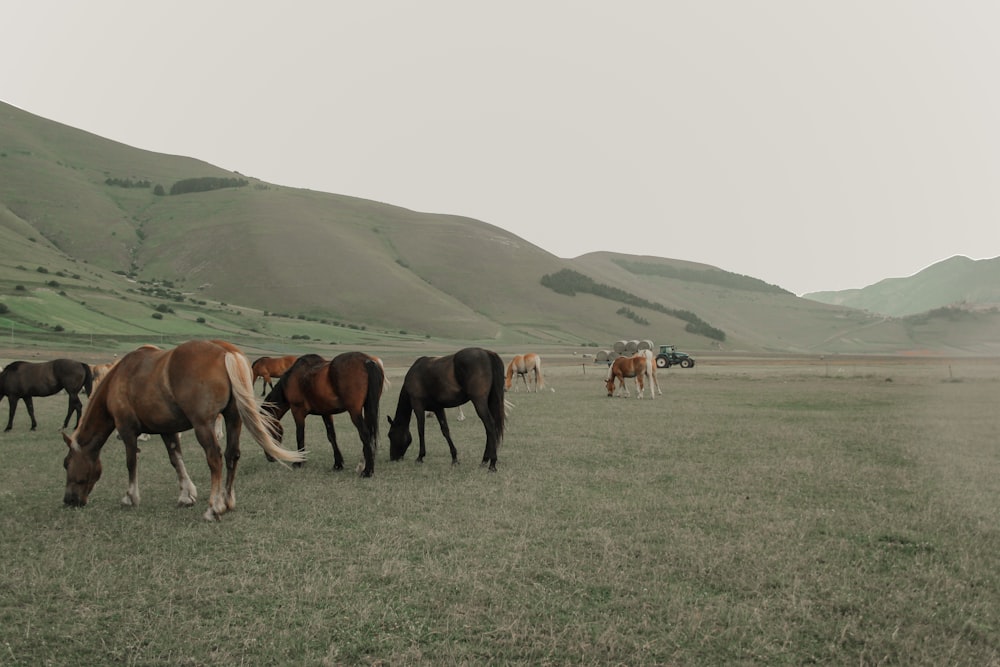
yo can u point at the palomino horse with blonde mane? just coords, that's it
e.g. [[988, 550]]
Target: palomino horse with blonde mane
[[627, 367], [271, 368], [101, 370], [351, 382], [521, 365], [651, 374], [165, 392]]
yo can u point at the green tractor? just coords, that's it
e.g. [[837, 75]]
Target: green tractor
[[669, 356]]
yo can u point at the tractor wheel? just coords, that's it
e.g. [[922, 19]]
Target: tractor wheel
[[661, 362], [687, 363]]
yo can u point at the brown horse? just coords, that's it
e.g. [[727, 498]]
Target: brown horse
[[271, 368], [435, 383], [627, 367], [165, 392], [523, 364], [351, 382], [24, 379]]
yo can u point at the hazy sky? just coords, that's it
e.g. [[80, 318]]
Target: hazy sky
[[815, 145]]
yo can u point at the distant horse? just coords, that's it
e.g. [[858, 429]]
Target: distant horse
[[435, 383], [523, 364], [651, 371], [100, 370], [351, 382], [24, 379], [165, 392], [271, 368], [627, 367]]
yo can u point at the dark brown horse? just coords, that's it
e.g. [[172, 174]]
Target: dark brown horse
[[351, 382], [435, 383], [271, 368], [24, 379], [165, 392]]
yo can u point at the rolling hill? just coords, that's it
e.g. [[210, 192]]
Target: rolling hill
[[93, 242], [959, 282]]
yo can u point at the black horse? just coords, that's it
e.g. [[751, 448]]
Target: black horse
[[24, 379], [435, 383]]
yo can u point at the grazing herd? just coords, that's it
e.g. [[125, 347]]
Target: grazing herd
[[203, 385]]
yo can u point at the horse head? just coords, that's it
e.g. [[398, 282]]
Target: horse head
[[399, 439], [82, 472], [610, 384]]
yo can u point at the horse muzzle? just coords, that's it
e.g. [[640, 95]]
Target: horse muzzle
[[73, 500]]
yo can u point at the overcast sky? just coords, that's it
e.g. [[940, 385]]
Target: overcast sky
[[816, 145]]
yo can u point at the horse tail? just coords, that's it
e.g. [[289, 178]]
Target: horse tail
[[496, 398], [376, 378], [258, 424], [88, 379], [539, 380]]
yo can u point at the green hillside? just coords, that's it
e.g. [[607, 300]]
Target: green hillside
[[92, 243], [958, 281]]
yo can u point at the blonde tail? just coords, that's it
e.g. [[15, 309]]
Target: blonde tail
[[240, 376]]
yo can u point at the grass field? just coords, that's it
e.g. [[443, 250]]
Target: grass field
[[760, 512]]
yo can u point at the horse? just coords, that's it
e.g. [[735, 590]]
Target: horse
[[165, 392], [24, 379], [523, 364], [627, 367], [100, 370], [271, 368], [435, 383], [651, 374], [351, 382]]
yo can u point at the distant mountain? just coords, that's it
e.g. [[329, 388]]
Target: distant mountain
[[95, 236], [958, 281]]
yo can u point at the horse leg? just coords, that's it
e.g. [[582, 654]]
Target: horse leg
[[300, 433], [131, 497], [12, 404], [205, 433], [366, 443], [446, 432], [639, 386], [189, 493], [490, 452], [233, 428], [30, 404], [419, 414], [331, 436], [75, 405]]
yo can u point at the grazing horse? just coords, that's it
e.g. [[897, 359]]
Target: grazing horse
[[24, 379], [523, 364], [165, 392], [351, 382], [627, 367], [100, 370], [271, 368], [651, 371], [435, 383]]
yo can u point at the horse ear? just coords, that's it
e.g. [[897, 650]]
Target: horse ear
[[389, 419], [66, 439]]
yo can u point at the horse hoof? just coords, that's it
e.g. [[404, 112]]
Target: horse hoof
[[338, 466], [270, 459]]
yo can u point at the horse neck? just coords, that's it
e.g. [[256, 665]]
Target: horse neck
[[404, 408], [96, 426]]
